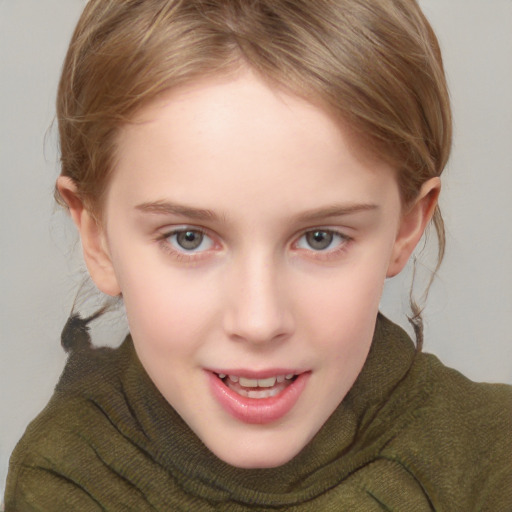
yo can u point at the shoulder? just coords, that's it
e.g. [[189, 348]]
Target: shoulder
[[88, 376], [43, 465], [458, 441], [454, 403], [68, 453]]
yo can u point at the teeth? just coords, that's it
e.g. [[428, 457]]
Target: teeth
[[267, 383], [248, 383], [263, 393], [258, 383], [258, 388]]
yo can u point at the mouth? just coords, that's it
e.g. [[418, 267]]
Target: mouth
[[257, 388], [257, 398]]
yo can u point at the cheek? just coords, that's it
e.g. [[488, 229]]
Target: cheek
[[166, 309], [345, 295], [339, 312]]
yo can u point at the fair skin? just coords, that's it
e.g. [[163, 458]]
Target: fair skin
[[250, 236]]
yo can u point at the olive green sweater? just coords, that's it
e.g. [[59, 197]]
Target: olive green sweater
[[411, 435]]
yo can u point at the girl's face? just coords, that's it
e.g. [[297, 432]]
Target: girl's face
[[250, 237]]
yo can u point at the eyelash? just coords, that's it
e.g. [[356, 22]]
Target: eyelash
[[194, 255]]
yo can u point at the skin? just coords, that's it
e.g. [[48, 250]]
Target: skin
[[257, 170]]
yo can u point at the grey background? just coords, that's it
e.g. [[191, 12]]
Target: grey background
[[470, 305]]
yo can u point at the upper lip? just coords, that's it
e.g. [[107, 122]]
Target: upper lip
[[257, 374]]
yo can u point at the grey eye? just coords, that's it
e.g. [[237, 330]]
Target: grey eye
[[319, 240], [189, 240]]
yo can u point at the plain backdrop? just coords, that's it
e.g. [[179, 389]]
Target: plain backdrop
[[470, 306]]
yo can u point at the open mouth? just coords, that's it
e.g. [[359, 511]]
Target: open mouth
[[258, 400], [257, 388]]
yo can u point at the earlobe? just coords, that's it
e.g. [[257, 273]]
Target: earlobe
[[412, 225], [92, 235]]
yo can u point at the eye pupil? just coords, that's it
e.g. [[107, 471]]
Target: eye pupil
[[189, 240], [319, 240]]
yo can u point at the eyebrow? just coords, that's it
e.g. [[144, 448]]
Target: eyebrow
[[335, 211], [169, 208]]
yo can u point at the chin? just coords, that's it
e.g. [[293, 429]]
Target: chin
[[259, 462], [257, 455]]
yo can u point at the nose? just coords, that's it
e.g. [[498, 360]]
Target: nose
[[259, 308]]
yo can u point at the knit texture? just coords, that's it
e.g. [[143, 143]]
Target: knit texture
[[411, 435]]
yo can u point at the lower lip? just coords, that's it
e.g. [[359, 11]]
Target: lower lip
[[258, 410]]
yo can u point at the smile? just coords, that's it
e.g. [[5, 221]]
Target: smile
[[257, 400]]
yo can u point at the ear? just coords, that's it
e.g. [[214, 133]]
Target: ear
[[412, 225], [92, 235]]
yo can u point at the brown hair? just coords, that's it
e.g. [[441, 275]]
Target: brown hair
[[375, 63]]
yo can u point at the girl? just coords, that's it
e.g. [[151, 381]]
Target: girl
[[245, 175]]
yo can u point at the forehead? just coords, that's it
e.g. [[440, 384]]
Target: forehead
[[240, 132]]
